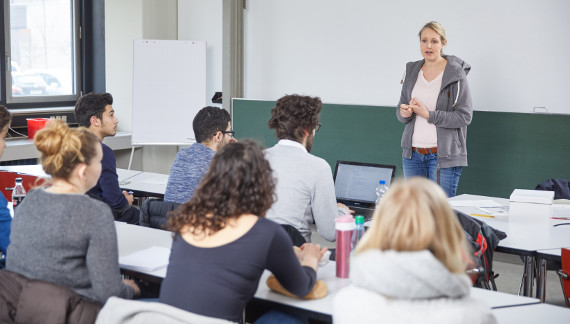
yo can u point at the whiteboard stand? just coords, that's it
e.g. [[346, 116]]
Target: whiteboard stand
[[169, 88]]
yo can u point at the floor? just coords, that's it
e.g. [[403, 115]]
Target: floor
[[508, 267]]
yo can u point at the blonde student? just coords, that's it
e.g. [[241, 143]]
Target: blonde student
[[61, 235], [410, 265]]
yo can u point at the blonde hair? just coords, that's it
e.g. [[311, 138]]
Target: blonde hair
[[436, 27], [63, 148], [414, 215]]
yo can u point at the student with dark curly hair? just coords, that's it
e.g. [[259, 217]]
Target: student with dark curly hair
[[223, 243], [305, 188]]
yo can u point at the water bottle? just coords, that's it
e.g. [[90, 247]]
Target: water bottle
[[19, 193], [358, 231], [380, 191], [344, 226]]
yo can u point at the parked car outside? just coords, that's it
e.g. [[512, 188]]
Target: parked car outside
[[28, 84]]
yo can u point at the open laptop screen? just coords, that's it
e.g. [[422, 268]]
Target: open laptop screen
[[356, 182]]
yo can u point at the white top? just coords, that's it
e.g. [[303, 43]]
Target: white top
[[425, 134]]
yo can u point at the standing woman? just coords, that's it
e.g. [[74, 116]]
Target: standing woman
[[435, 106], [61, 235], [223, 242]]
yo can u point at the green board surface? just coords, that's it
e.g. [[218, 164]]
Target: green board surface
[[506, 151]]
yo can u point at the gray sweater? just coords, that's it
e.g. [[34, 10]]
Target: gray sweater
[[305, 190], [69, 240], [452, 115]]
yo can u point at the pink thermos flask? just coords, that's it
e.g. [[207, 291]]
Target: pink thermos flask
[[344, 226]]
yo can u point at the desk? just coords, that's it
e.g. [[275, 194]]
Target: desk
[[132, 238], [539, 313], [529, 228], [146, 184]]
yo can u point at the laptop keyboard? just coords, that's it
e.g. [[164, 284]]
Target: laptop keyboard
[[366, 212]]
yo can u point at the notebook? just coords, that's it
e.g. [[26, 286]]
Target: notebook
[[355, 184]]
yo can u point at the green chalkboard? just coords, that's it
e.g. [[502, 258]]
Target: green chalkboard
[[506, 150]]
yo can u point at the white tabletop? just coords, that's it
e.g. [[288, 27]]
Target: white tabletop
[[529, 227], [132, 238], [149, 182], [33, 170], [538, 313]]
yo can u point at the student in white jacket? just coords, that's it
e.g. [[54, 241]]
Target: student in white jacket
[[410, 265]]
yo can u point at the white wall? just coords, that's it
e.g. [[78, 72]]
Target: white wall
[[202, 20], [355, 52], [125, 21]]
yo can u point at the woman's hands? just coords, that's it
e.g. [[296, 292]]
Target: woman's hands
[[416, 107], [310, 255], [134, 286]]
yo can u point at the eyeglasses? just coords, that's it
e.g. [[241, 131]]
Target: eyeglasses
[[318, 127], [230, 132]]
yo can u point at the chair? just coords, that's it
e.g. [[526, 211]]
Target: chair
[[153, 212], [117, 310], [564, 275]]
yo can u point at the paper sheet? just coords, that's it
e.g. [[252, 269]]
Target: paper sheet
[[150, 259], [474, 203]]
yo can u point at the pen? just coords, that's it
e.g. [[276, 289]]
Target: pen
[[562, 218], [130, 192], [481, 215]]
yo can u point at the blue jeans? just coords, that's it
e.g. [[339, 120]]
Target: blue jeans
[[425, 165], [274, 316]]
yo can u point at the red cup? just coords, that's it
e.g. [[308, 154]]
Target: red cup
[[35, 124]]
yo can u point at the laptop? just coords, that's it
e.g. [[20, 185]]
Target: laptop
[[355, 184]]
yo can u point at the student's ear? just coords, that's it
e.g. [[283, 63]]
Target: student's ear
[[81, 170], [305, 133], [95, 121]]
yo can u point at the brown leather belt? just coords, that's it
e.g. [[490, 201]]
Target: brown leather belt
[[426, 150]]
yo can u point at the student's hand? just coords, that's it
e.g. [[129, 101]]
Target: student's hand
[[419, 108], [134, 285], [406, 111], [311, 254], [344, 207], [129, 197]]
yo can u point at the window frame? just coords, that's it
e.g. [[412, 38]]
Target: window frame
[[89, 35]]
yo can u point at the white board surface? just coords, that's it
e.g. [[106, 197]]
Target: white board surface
[[354, 52], [169, 88]]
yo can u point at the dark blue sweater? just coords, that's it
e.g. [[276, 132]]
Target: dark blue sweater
[[219, 281], [108, 185]]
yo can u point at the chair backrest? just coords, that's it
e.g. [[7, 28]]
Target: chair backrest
[[117, 310], [565, 258], [154, 211]]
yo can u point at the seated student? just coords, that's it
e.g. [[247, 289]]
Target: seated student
[[223, 242], [5, 217], [95, 112], [61, 235], [410, 265], [305, 187], [213, 130]]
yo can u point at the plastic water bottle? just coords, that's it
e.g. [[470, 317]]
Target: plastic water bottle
[[344, 226], [381, 190], [19, 193], [358, 231]]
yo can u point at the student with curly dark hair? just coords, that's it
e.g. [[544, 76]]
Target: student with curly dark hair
[[223, 243], [305, 188]]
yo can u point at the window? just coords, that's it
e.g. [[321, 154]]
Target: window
[[52, 50]]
